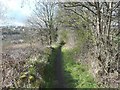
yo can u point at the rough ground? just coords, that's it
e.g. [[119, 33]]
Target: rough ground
[[59, 76]]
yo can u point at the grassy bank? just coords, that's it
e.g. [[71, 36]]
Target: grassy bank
[[49, 70], [38, 70], [76, 74]]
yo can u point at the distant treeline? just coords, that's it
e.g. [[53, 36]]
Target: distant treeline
[[10, 33]]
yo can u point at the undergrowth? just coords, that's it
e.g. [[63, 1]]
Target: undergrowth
[[39, 71], [76, 74], [49, 76]]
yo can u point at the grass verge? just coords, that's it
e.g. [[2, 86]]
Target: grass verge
[[76, 74], [49, 76]]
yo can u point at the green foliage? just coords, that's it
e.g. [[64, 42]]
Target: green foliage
[[76, 74], [33, 77], [39, 69], [117, 39], [49, 76], [40, 72], [62, 43], [83, 36], [64, 35]]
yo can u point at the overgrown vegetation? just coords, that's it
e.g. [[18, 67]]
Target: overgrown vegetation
[[38, 71], [76, 74], [49, 76], [89, 32]]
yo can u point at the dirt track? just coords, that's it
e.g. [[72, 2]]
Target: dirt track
[[59, 76]]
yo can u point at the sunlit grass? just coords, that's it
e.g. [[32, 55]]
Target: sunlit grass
[[76, 74]]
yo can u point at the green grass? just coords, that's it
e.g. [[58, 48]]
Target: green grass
[[76, 74], [49, 77]]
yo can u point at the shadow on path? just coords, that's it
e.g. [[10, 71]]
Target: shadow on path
[[59, 73]]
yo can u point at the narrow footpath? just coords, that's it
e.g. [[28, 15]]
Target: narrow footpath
[[59, 75]]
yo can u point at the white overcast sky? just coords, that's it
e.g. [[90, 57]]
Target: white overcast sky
[[17, 10]]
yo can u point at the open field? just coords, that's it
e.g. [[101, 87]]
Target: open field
[[14, 57]]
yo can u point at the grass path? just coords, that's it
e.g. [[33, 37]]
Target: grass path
[[76, 74], [67, 72]]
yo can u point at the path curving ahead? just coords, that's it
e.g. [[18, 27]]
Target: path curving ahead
[[59, 73]]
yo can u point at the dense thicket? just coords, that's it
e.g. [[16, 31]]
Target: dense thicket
[[101, 20]]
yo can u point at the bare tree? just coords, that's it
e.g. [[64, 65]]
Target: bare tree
[[101, 20], [44, 19]]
